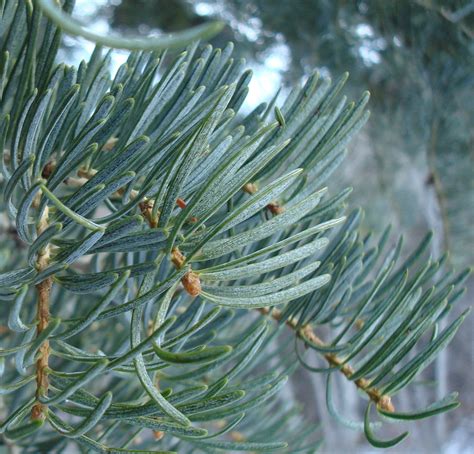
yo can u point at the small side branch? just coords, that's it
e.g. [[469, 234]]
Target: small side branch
[[382, 401]]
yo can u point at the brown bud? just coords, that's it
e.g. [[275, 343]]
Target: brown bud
[[191, 283], [362, 383], [181, 203], [38, 412], [48, 169], [275, 208], [385, 403], [347, 370], [250, 188], [158, 435], [110, 144], [220, 424], [146, 208], [86, 173], [237, 436]]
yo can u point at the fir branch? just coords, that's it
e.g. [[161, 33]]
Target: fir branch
[[306, 332], [163, 218]]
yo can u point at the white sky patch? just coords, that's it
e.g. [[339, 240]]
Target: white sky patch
[[87, 12], [364, 31], [86, 7], [100, 26], [371, 46], [397, 41], [324, 72], [278, 56], [251, 30], [204, 9], [263, 85], [118, 58], [267, 76], [369, 55]]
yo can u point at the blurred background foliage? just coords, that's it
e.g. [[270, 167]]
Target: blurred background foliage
[[412, 165]]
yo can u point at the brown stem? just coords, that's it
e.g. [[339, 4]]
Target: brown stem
[[307, 333], [39, 410]]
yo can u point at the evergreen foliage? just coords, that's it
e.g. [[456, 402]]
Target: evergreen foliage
[[416, 59], [158, 249]]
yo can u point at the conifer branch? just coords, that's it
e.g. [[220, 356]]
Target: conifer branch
[[235, 209], [307, 333]]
